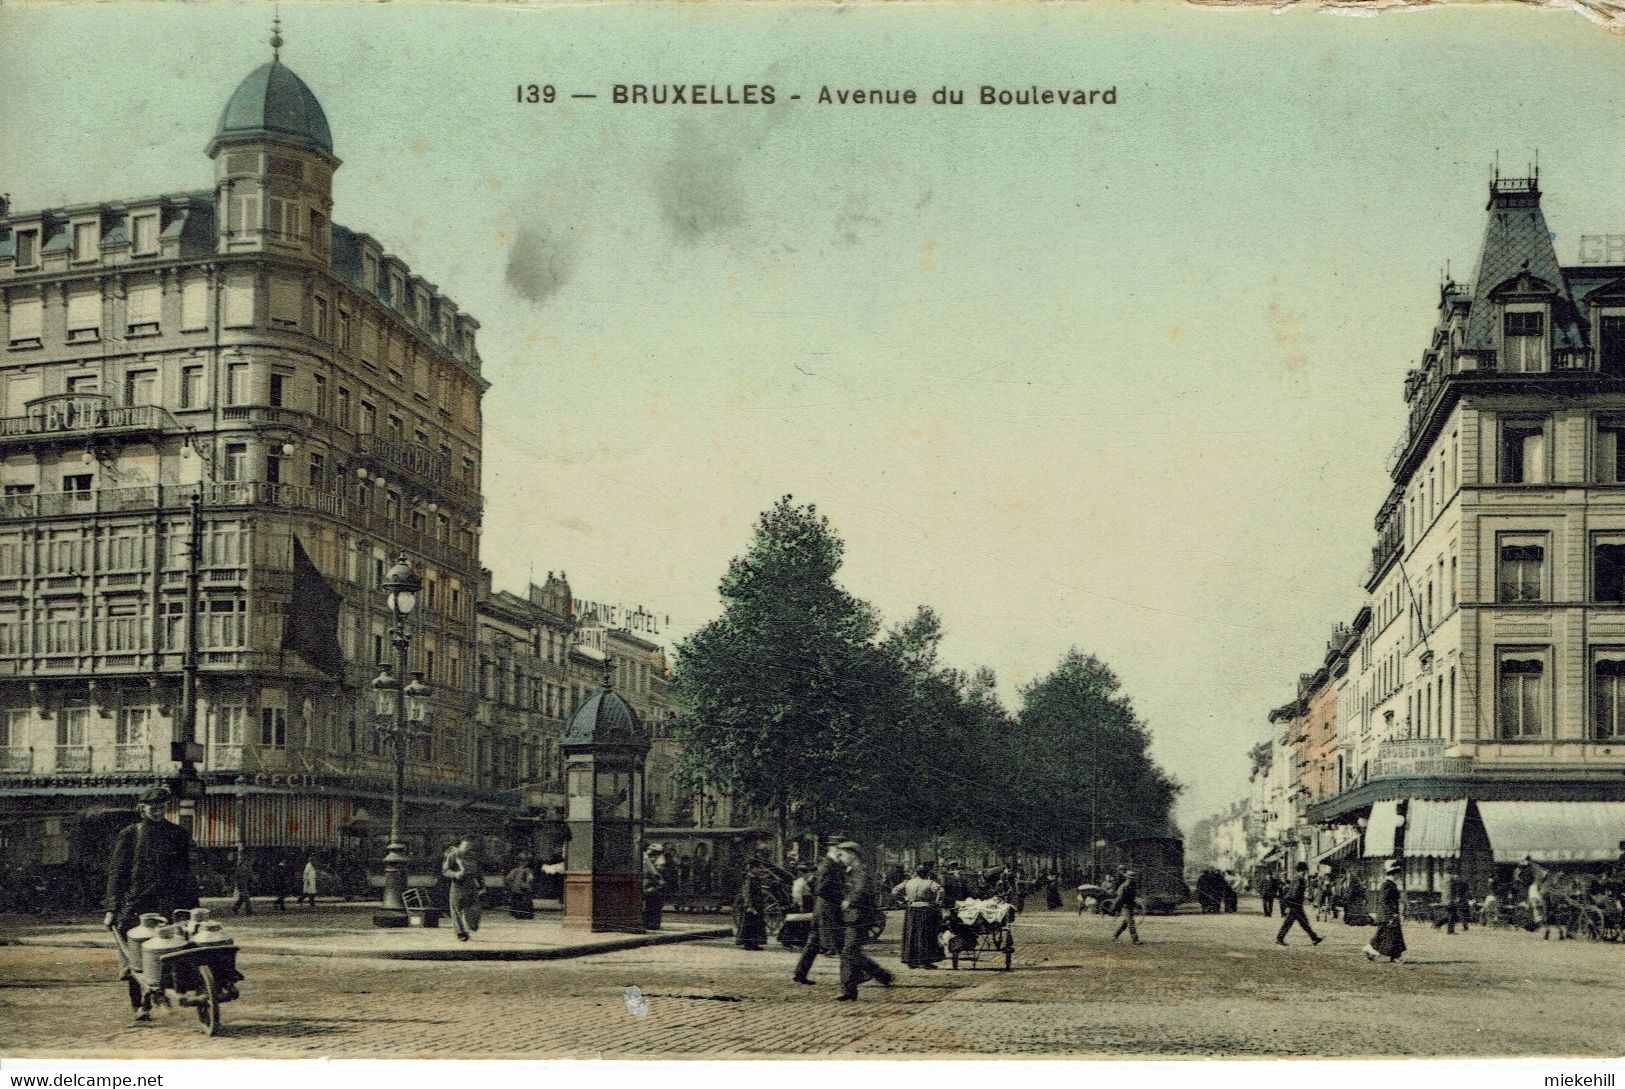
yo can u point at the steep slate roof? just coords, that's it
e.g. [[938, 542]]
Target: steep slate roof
[[1517, 243]]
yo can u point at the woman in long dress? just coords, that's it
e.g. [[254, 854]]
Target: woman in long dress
[[1052, 891], [308, 882], [750, 920], [921, 896], [1389, 940]]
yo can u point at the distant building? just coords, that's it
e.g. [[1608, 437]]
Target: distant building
[[539, 659]]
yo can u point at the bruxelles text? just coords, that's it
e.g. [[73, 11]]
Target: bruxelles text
[[752, 94]]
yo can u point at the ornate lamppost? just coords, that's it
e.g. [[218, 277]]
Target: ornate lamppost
[[400, 709]]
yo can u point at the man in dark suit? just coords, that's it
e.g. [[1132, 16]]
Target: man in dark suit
[[829, 889], [860, 907], [1268, 890], [151, 867], [1293, 897], [1127, 895]]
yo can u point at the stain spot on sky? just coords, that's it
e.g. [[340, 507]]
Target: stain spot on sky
[[540, 263], [699, 191]]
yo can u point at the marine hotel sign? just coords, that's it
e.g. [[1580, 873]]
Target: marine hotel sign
[[636, 619]]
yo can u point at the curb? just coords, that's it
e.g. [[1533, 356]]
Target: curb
[[464, 952]]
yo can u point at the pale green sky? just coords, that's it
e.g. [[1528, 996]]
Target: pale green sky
[[1115, 377]]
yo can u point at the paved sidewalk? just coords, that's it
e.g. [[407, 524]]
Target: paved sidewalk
[[335, 929]]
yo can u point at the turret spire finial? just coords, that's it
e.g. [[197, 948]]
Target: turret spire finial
[[276, 34]]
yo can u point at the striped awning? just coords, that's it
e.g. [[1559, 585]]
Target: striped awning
[[1554, 831], [274, 820], [1381, 828], [1433, 829]]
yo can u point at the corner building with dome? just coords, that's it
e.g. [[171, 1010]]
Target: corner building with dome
[[323, 401]]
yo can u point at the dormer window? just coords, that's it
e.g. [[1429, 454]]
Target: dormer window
[[144, 229], [1523, 340], [86, 241], [27, 248], [1611, 344]]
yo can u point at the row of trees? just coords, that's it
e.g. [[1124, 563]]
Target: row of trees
[[796, 701]]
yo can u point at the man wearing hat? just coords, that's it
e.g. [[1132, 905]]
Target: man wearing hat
[[859, 908], [828, 889], [654, 885], [1126, 895], [1292, 901], [151, 867]]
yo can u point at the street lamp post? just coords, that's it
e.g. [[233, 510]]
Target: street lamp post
[[399, 707]]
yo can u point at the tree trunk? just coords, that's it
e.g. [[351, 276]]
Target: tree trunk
[[782, 834]]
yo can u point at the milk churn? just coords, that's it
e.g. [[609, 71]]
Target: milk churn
[[209, 932], [145, 927], [169, 939]]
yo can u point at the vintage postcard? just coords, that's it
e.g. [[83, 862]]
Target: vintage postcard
[[799, 530]]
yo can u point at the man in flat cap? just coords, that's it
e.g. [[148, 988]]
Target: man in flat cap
[[655, 884], [860, 906], [151, 867], [828, 889]]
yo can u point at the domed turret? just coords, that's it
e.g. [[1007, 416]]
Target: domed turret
[[273, 104], [274, 164]]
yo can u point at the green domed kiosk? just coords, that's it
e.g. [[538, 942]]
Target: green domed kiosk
[[605, 747]]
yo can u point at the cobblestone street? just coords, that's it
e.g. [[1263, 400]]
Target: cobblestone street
[[1200, 985]]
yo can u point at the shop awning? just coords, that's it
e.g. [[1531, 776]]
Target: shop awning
[[1338, 853], [1380, 829], [1554, 831], [1433, 828]]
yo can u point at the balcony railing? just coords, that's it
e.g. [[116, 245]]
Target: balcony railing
[[256, 494], [73, 758], [1383, 552], [132, 758], [15, 758], [418, 462], [81, 413], [229, 494]]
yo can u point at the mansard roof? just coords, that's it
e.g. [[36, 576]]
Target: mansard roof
[[1518, 255]]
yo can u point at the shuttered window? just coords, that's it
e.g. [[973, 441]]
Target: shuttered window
[[27, 316], [84, 310], [287, 300], [194, 303], [143, 307], [239, 301]]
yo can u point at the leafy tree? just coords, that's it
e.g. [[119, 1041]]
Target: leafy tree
[[780, 689], [1079, 755]]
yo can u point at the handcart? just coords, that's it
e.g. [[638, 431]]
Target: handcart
[[978, 928], [188, 962]]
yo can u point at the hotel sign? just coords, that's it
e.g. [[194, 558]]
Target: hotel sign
[[1602, 249], [636, 619]]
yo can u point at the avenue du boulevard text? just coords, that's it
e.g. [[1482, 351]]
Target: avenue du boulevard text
[[765, 94]]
